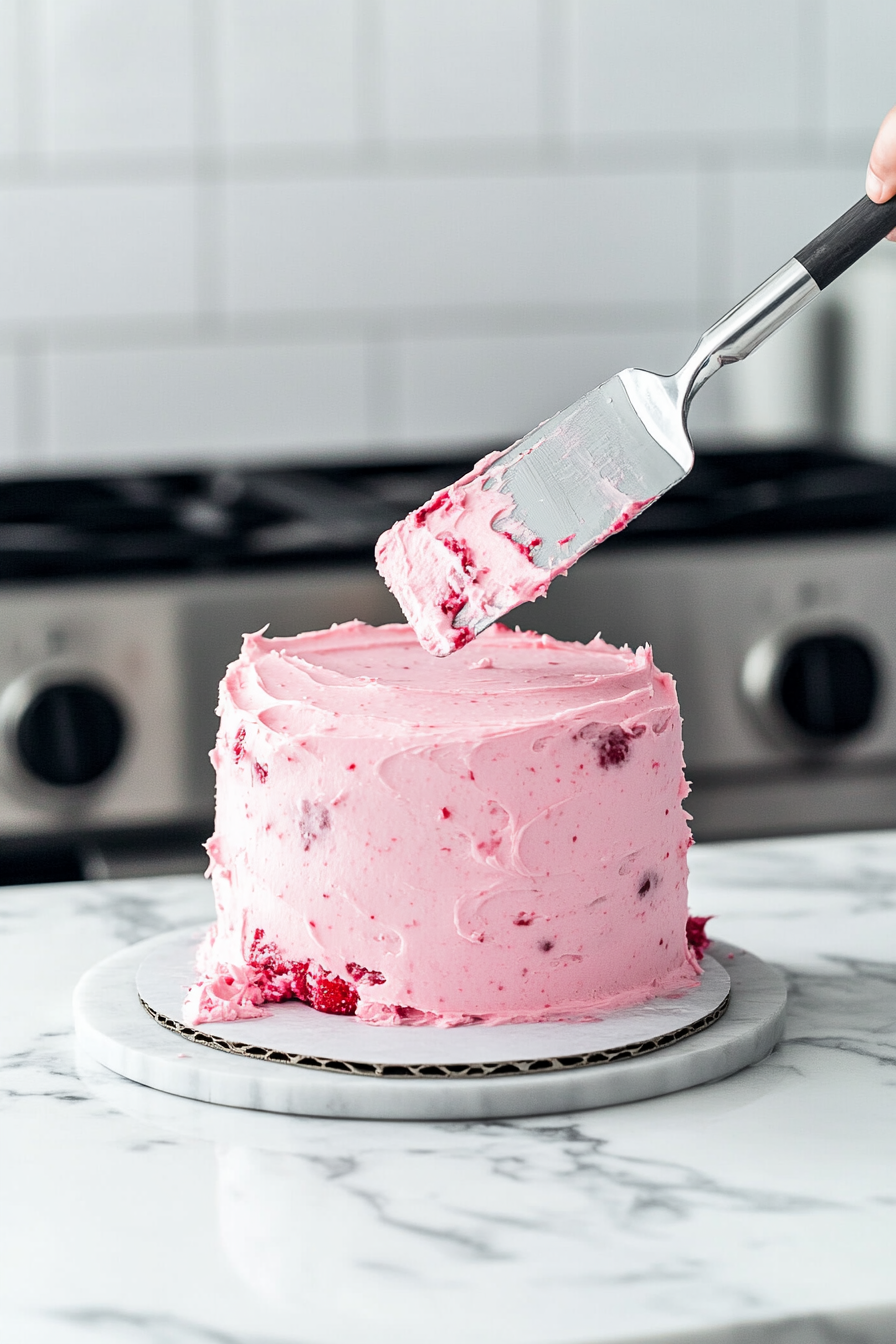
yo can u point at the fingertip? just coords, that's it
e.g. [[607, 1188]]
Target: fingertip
[[874, 188]]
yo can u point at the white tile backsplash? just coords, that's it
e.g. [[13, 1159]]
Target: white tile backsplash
[[119, 77], [204, 403], [775, 213], [250, 227], [81, 251], [695, 67], [400, 242], [460, 68], [286, 72], [495, 388], [860, 72]]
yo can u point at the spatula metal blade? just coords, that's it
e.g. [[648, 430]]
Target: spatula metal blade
[[499, 536], [586, 472]]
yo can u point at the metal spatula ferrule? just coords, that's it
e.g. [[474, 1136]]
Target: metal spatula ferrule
[[588, 471]]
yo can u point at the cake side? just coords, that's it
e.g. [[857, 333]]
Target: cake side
[[497, 837]]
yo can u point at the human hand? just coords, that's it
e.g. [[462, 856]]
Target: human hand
[[880, 182]]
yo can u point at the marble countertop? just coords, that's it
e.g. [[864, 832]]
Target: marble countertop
[[760, 1208]]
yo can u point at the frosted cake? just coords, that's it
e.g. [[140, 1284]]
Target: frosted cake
[[495, 837]]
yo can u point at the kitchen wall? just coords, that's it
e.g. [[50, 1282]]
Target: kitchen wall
[[237, 229]]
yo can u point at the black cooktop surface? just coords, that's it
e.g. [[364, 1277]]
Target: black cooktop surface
[[771, 492], [237, 520]]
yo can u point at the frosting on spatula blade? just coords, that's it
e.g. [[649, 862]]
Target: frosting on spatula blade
[[502, 533]]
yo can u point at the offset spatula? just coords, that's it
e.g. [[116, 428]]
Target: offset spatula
[[501, 534]]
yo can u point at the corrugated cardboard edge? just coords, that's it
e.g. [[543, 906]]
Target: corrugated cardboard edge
[[501, 1068]]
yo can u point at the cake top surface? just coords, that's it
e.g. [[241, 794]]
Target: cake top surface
[[381, 677]]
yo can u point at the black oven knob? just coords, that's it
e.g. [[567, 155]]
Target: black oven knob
[[69, 733], [827, 685]]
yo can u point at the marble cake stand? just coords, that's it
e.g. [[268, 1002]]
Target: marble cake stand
[[114, 1027]]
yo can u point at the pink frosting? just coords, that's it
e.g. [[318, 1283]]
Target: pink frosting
[[224, 992], [498, 837], [463, 554]]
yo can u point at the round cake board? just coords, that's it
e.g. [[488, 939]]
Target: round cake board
[[116, 1028], [293, 1033]]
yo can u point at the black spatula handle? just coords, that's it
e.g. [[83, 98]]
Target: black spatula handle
[[847, 239]]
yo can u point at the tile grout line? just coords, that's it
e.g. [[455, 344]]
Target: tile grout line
[[323, 327], [590, 156], [554, 78], [31, 409], [812, 71], [206, 170], [32, 84], [367, 21]]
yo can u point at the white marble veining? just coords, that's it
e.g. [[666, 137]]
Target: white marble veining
[[759, 1208]]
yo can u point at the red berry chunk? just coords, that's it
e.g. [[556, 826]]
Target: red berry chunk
[[329, 994], [420, 515], [453, 603], [361, 975], [458, 548], [527, 547], [278, 978], [695, 931]]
